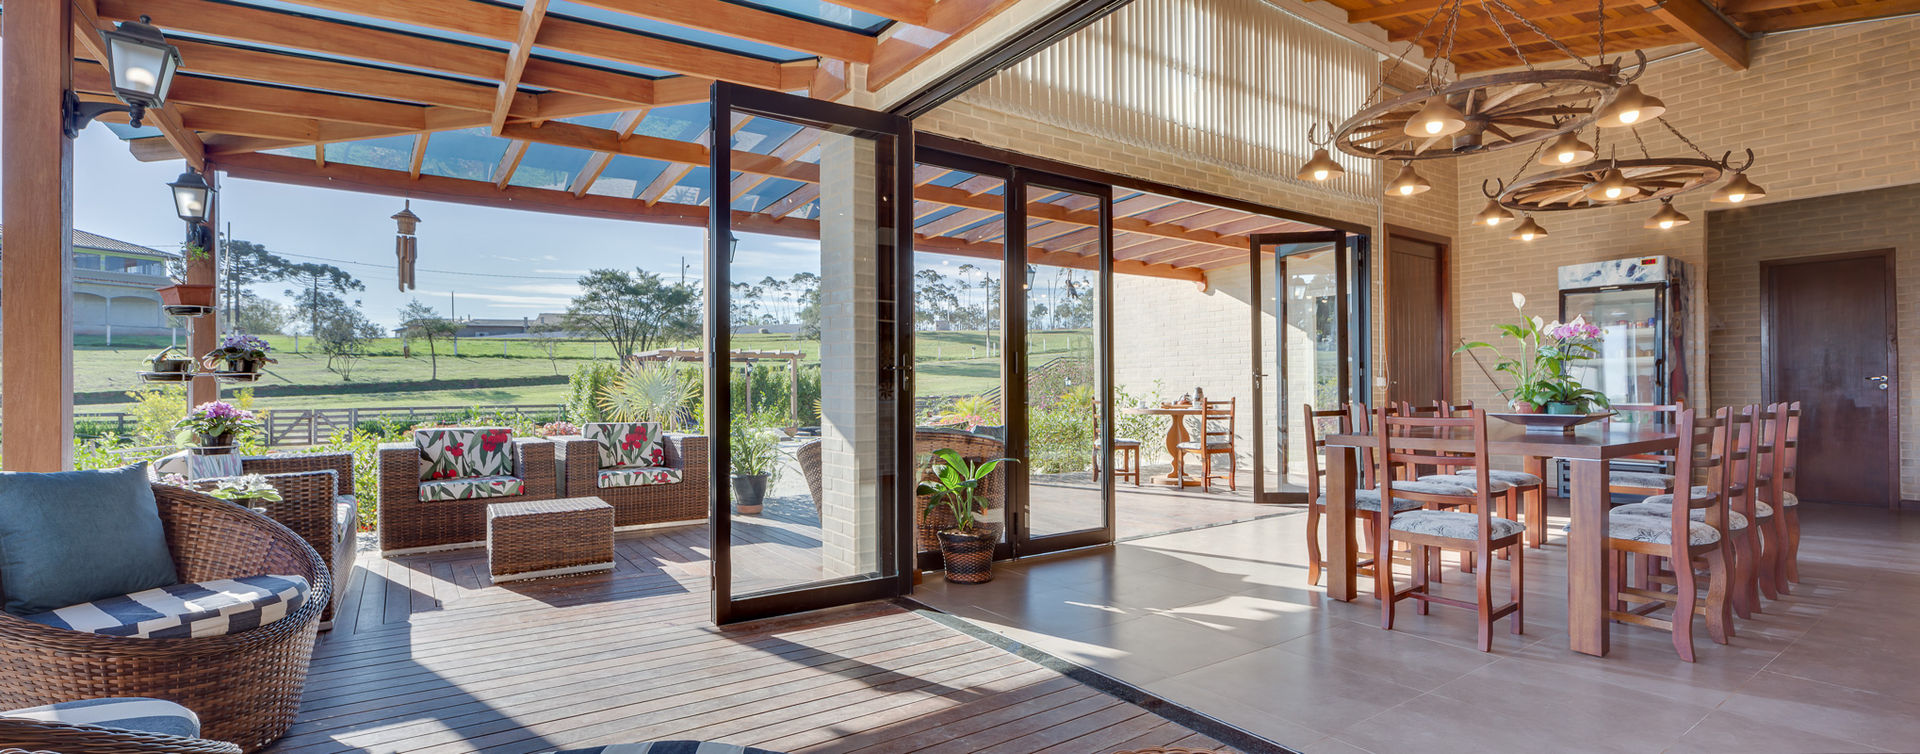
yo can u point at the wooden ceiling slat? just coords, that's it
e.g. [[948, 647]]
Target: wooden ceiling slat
[[531, 14], [256, 65], [1814, 16], [1475, 17], [751, 24], [1704, 27], [270, 27], [509, 162], [268, 100], [597, 164], [419, 156]]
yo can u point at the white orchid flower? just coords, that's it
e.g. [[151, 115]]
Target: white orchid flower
[[1519, 300], [1538, 323], [1580, 321]]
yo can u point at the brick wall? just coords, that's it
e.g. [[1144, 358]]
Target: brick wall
[[1739, 239]]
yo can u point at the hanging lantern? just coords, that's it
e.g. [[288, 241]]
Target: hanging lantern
[[405, 246]]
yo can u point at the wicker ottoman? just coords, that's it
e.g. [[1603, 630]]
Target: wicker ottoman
[[538, 538]]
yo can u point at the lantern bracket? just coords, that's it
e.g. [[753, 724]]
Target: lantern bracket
[[78, 114]]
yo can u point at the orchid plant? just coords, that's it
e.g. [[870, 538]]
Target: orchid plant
[[1539, 369]]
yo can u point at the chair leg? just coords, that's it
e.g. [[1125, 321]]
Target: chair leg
[[1420, 584], [1483, 596], [1233, 474], [1383, 582], [1313, 543], [1764, 557], [1517, 587], [1781, 544], [1741, 570], [1683, 608], [1617, 569], [1793, 542], [1508, 502], [1719, 619]]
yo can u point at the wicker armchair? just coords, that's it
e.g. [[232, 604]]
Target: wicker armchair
[[246, 686], [407, 522], [312, 488], [68, 738], [643, 504]]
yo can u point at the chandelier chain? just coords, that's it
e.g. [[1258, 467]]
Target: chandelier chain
[[1642, 143], [1381, 84], [1524, 163], [1535, 28], [1600, 41], [1432, 81], [1684, 140], [1522, 54]]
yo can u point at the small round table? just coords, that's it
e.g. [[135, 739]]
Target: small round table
[[1176, 434]]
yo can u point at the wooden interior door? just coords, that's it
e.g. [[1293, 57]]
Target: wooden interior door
[[1828, 335], [1416, 311]]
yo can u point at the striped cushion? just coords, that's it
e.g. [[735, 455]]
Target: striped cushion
[[208, 608], [638, 476], [471, 488], [1466, 480], [672, 747], [125, 713]]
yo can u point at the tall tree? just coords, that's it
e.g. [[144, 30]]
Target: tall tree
[[316, 288], [343, 336], [417, 320], [634, 311], [257, 316]]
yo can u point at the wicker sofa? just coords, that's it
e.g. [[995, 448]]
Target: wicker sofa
[[246, 686], [407, 522], [639, 505], [24, 734]]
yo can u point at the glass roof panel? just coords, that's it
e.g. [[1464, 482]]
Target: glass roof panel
[[936, 215], [690, 190], [303, 152], [549, 167], [823, 12], [765, 194], [809, 212], [602, 120], [281, 5], [677, 122], [611, 65], [625, 175], [388, 153], [671, 31], [470, 154], [763, 135]]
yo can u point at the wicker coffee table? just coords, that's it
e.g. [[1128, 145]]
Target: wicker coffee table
[[540, 538]]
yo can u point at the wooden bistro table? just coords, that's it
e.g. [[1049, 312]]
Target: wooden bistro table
[[1588, 450], [1176, 434]]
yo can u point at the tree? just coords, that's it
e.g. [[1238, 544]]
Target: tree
[[417, 320], [318, 289], [258, 316], [632, 312], [343, 337], [247, 263], [548, 338]]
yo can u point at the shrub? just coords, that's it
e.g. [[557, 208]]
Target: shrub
[[589, 381]]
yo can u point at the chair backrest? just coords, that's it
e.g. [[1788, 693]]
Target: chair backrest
[[1779, 448], [1217, 420], [1711, 465], [1316, 443], [1437, 408], [463, 452], [633, 444], [1788, 480], [1442, 441], [1660, 416], [1744, 434]]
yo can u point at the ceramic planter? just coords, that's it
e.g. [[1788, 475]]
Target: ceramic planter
[[749, 493], [1565, 408], [182, 300], [215, 445]]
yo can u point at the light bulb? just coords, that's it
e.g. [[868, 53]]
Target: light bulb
[[1319, 175], [1528, 231], [141, 76], [1667, 218], [1492, 215], [1408, 182], [1738, 190], [1613, 186], [1567, 149], [1527, 236], [1628, 107]]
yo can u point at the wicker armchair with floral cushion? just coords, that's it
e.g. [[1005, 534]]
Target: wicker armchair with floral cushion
[[244, 686], [648, 476], [434, 491], [147, 726]]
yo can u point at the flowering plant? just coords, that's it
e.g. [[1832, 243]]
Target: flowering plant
[[246, 487], [238, 346], [1539, 369], [551, 429], [215, 418]]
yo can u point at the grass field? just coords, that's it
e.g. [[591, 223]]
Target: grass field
[[950, 363]]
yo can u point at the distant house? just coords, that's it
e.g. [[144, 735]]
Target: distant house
[[481, 327], [114, 286]]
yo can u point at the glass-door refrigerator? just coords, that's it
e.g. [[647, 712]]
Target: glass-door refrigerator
[[1640, 305]]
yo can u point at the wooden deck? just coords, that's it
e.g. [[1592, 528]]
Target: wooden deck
[[429, 658]]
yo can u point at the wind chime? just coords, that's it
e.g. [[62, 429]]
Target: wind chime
[[406, 247]]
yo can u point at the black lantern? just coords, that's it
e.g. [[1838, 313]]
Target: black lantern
[[142, 65], [190, 195]]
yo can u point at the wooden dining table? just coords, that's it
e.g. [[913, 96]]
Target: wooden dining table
[[1588, 450], [1176, 434]]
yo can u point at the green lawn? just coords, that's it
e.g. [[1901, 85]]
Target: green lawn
[[950, 363]]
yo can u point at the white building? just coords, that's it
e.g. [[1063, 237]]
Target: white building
[[115, 286]]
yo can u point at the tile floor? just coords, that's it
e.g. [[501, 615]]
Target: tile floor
[[1223, 621]]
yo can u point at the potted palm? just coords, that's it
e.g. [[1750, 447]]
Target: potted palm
[[967, 548], [754, 447], [212, 425]]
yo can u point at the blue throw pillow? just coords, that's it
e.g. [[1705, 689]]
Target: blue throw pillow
[[78, 536]]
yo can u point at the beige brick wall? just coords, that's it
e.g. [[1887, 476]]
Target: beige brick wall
[[1827, 111], [1739, 239]]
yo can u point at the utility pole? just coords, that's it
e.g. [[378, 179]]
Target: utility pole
[[452, 314]]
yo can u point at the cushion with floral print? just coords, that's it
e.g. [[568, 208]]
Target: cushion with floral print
[[464, 452], [638, 476], [627, 444], [470, 488]]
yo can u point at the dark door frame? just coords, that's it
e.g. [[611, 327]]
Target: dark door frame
[[1349, 267], [1770, 363], [894, 189], [1446, 303]]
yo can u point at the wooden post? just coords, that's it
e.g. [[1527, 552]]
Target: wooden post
[[204, 332], [793, 391], [36, 206]]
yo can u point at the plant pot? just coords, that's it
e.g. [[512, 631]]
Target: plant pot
[[749, 493], [1562, 408], [243, 366], [969, 556], [182, 300], [214, 445], [181, 366], [1523, 407]]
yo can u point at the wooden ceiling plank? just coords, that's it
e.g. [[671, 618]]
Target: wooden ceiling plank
[[269, 100], [271, 27], [1395, 10], [662, 182], [1576, 36], [1825, 16], [917, 12], [1706, 28], [1475, 17], [326, 75], [531, 14], [751, 24]]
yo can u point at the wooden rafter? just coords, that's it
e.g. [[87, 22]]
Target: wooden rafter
[[509, 162], [1576, 36], [1475, 17], [1704, 27], [531, 14], [913, 42], [418, 157], [751, 24], [597, 164]]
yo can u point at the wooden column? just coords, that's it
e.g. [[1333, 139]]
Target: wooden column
[[36, 205], [203, 332]]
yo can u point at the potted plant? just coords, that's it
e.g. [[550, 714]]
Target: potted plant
[[169, 365], [967, 548], [240, 354], [755, 448], [1539, 370], [246, 490], [213, 425], [185, 300]]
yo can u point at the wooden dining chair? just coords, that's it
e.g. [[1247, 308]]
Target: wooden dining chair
[[1659, 415], [1752, 571], [1785, 490], [1214, 437], [1779, 424], [1523, 489], [1686, 531], [1317, 425], [1453, 443], [1127, 464]]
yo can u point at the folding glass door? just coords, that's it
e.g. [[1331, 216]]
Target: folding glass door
[[1310, 332], [810, 191]]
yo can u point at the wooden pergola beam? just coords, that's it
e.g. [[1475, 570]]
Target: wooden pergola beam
[[1704, 27], [327, 75], [751, 24], [36, 280], [912, 42], [1474, 17], [531, 14], [597, 164]]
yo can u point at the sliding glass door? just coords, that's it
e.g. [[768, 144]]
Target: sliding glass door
[[1310, 331]]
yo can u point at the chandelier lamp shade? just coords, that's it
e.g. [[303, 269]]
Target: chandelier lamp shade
[[1667, 218], [1567, 149], [1613, 186], [1321, 167], [1528, 230], [1436, 118], [1408, 182], [1492, 215], [142, 65], [1738, 190], [1630, 107]]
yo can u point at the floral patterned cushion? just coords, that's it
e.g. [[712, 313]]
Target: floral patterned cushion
[[638, 476], [1658, 530], [1641, 479], [1700, 492], [1453, 524], [470, 488], [1430, 487], [1515, 478], [1664, 509], [1464, 480], [464, 452], [624, 444], [1369, 500], [1791, 499]]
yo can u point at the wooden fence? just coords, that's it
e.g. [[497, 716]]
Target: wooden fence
[[302, 427]]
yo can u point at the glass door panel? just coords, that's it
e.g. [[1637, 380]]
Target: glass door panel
[[806, 509], [1629, 366], [1064, 236], [1307, 312]]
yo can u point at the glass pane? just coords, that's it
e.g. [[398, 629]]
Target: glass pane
[[1309, 345], [471, 154], [549, 167], [957, 289], [805, 324], [389, 153], [1063, 420], [1627, 370]]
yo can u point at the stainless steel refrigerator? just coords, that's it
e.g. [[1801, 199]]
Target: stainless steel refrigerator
[[1641, 307]]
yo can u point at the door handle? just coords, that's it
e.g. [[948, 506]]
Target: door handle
[[1879, 382]]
